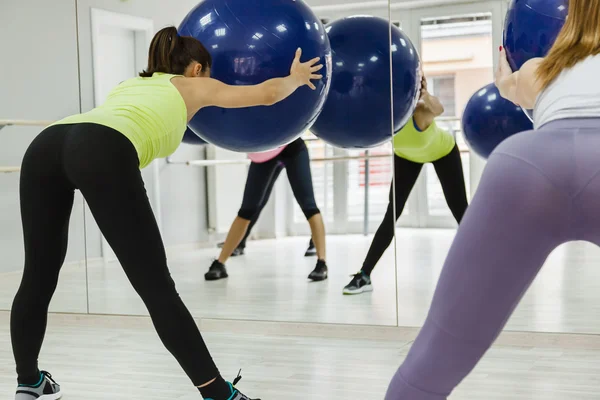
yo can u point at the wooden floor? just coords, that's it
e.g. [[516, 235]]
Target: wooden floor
[[269, 284], [121, 358]]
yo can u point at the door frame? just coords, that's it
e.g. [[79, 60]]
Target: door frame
[[144, 31], [418, 202]]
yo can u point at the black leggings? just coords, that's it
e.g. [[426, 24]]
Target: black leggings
[[262, 176], [450, 173], [103, 165], [266, 196]]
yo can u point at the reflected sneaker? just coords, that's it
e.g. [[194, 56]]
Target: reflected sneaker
[[235, 393], [238, 251], [216, 271], [360, 283], [45, 389], [311, 251], [320, 271]]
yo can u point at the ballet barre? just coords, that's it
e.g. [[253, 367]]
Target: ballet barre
[[19, 122], [8, 170], [214, 163]]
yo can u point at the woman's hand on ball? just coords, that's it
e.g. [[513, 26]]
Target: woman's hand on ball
[[305, 72]]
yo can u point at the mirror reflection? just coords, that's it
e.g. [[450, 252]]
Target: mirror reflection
[[257, 224]]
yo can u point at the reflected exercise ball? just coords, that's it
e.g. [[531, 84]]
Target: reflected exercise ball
[[189, 137], [489, 119], [357, 113], [530, 29], [251, 41]]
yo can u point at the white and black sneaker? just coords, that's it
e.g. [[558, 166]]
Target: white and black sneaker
[[238, 251], [320, 272], [312, 250], [360, 283], [235, 393], [45, 389], [216, 271]]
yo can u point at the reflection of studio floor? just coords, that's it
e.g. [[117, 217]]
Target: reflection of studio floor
[[269, 283], [97, 358]]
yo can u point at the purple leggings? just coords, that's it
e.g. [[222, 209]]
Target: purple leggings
[[539, 189]]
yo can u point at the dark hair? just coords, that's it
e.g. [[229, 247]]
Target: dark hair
[[172, 54]]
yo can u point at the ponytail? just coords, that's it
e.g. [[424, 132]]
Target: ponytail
[[171, 54]]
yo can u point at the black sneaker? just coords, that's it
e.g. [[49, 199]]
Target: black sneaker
[[216, 271], [45, 389], [320, 272], [238, 251], [360, 283], [235, 393], [311, 251]]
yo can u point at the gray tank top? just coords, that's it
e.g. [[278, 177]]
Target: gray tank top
[[575, 93]]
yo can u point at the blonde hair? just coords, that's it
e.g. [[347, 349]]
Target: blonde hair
[[578, 39]]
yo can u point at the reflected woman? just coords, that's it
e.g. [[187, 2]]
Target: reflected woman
[[420, 141], [262, 174]]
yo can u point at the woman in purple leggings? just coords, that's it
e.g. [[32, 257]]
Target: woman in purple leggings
[[540, 189]]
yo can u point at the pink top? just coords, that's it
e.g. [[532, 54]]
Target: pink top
[[265, 156]]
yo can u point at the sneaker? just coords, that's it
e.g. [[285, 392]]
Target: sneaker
[[45, 389], [216, 271], [320, 272], [360, 283], [311, 251], [238, 251], [235, 393]]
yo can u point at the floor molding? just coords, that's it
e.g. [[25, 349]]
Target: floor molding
[[330, 331]]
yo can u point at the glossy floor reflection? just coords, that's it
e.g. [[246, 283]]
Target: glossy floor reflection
[[97, 358], [564, 298], [268, 283]]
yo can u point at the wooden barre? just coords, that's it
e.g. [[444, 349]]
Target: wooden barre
[[8, 170], [22, 122], [210, 163]]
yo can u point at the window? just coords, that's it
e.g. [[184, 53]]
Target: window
[[442, 87]]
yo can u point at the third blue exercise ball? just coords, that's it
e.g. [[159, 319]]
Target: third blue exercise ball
[[357, 113], [189, 137], [489, 119], [251, 41], [531, 28]]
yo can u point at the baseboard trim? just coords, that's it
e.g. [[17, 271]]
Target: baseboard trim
[[393, 333], [330, 331]]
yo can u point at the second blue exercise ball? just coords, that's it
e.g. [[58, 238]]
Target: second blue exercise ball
[[489, 119], [250, 42], [531, 28], [357, 113]]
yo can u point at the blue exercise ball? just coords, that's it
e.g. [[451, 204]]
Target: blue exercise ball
[[530, 29], [357, 113], [488, 119], [250, 42], [189, 137]]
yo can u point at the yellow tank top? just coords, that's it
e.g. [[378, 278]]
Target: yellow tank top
[[422, 146], [150, 112]]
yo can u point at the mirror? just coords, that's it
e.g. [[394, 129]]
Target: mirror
[[457, 58], [200, 190], [29, 102], [458, 45], [71, 294]]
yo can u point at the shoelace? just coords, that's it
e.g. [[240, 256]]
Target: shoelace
[[49, 376], [237, 378]]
